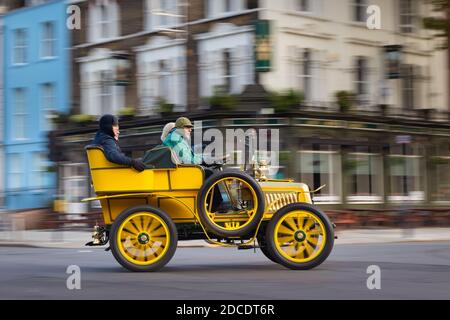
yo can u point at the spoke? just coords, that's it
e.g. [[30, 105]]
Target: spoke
[[290, 250], [124, 237], [284, 230], [130, 232], [212, 216], [150, 221], [282, 240], [310, 223], [142, 223], [291, 223], [299, 221], [316, 232], [162, 239], [309, 249], [133, 223], [145, 253], [158, 227], [300, 254], [162, 235], [313, 242], [211, 199]]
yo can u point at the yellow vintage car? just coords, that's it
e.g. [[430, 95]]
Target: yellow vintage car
[[146, 213]]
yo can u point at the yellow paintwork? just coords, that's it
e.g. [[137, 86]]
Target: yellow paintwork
[[173, 190], [299, 251]]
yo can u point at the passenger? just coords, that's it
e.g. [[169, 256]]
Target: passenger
[[179, 140], [107, 137], [167, 128]]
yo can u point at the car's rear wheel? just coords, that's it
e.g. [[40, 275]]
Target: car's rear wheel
[[143, 238]]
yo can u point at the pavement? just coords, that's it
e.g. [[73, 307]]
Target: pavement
[[77, 239]]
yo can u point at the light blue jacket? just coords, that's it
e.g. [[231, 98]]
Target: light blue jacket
[[176, 141]]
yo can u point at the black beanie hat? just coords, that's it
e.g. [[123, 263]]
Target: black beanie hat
[[107, 122]]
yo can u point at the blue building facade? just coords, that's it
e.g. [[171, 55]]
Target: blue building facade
[[36, 84]]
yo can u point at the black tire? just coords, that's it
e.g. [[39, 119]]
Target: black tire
[[257, 216], [263, 246], [328, 243], [172, 238]]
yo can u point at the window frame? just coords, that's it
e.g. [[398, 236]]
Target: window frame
[[335, 187], [48, 44], [410, 15], [19, 116], [20, 47], [48, 108], [16, 158], [376, 194], [357, 15]]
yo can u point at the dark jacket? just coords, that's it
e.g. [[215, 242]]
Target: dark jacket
[[111, 148]]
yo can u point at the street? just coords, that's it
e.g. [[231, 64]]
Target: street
[[416, 270]]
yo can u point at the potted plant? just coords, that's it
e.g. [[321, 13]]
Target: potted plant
[[287, 101], [81, 118], [127, 113], [222, 99], [164, 107], [344, 100]]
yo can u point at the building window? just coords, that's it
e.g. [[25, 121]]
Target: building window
[[362, 80], [440, 173], [105, 92], [359, 10], [75, 185], [408, 86], [48, 42], [406, 174], [162, 13], [306, 75], [304, 5], [20, 46], [217, 8], [163, 80], [48, 105], [364, 175], [38, 169], [104, 19], [407, 16], [15, 171], [228, 76], [19, 123], [319, 165]]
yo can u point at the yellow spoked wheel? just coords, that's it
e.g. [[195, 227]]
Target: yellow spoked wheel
[[299, 236], [230, 203], [143, 238]]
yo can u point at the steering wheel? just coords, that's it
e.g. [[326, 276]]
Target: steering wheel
[[218, 163]]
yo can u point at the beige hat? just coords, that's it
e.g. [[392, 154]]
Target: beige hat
[[183, 122]]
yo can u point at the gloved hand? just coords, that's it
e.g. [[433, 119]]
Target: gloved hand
[[138, 165]]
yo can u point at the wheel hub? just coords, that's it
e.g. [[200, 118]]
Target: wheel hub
[[300, 236], [143, 238]]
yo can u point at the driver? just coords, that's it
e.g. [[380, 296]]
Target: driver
[[179, 140]]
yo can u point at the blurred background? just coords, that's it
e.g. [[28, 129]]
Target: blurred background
[[363, 110]]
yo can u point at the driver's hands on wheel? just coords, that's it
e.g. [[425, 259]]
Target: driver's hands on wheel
[[209, 161]]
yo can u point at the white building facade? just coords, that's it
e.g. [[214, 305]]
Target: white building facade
[[324, 46]]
